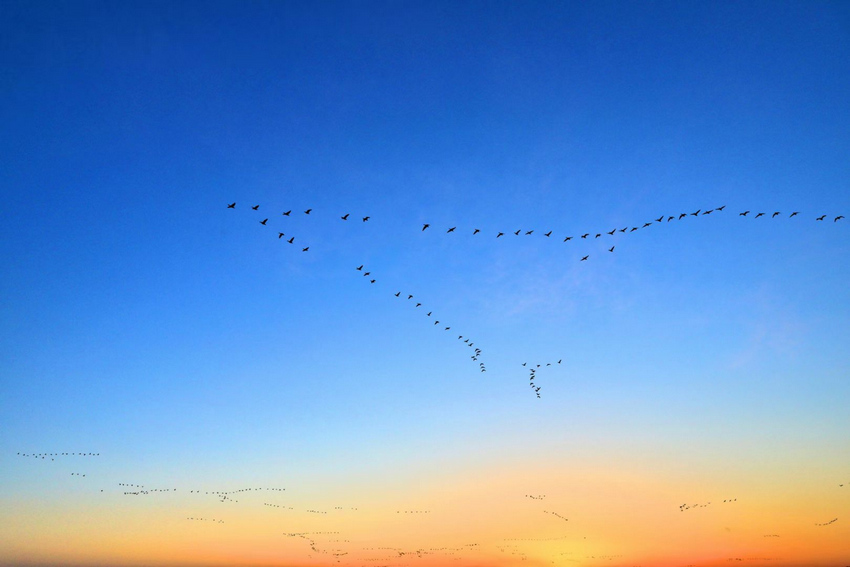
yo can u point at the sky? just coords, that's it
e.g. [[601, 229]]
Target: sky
[[181, 385]]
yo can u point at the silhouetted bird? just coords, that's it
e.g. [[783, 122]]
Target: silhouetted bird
[[291, 240], [585, 258], [399, 293], [500, 234], [264, 221], [305, 249], [548, 234], [696, 213], [517, 232], [794, 214], [682, 216], [759, 215], [659, 219], [745, 213], [597, 235], [721, 208], [585, 235], [255, 207], [612, 232], [286, 214], [371, 281], [646, 224], [838, 218], [409, 297], [611, 249], [280, 235], [366, 218], [418, 305], [529, 232], [366, 274], [307, 212], [821, 218], [231, 206], [360, 267], [452, 229], [633, 229], [624, 229], [568, 238], [345, 216], [476, 231], [773, 216]]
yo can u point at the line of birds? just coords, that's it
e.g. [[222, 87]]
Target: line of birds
[[556, 515], [832, 521], [213, 520]]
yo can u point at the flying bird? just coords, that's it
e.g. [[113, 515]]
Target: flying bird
[[659, 219], [529, 232], [821, 218], [548, 234], [838, 218], [774, 214], [597, 235], [255, 207], [345, 216], [794, 214], [476, 231], [307, 212], [611, 249], [264, 221], [360, 267], [366, 218], [585, 235], [708, 212], [568, 238], [585, 258], [291, 240], [500, 234], [452, 229], [646, 224], [517, 232], [759, 215], [286, 214], [397, 294], [683, 215], [696, 213], [305, 249], [409, 297], [745, 213], [721, 208], [280, 235], [231, 206], [612, 232]]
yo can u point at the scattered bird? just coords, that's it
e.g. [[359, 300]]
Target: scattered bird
[[611, 249], [568, 238], [476, 231], [585, 235], [345, 216], [307, 212], [759, 215], [307, 248], [366, 218], [231, 206], [745, 213], [529, 232], [774, 215], [839, 217], [424, 226], [548, 234], [255, 207], [517, 232], [280, 235], [821, 218], [360, 267], [291, 240], [683, 215], [452, 229], [264, 221], [286, 214], [500, 234], [585, 258], [659, 219], [696, 213], [794, 214]]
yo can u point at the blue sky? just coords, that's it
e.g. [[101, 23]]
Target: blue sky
[[143, 319]]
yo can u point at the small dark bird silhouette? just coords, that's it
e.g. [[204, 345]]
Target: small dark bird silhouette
[[476, 231], [424, 226], [759, 215], [633, 229], [360, 267], [418, 304], [548, 234], [624, 229], [345, 216], [597, 235], [821, 218], [568, 238], [585, 258], [397, 294], [794, 214], [529, 232], [307, 212], [371, 281], [305, 249], [611, 249], [721, 208], [683, 215], [291, 240], [585, 235], [775, 214], [839, 217], [255, 207], [429, 313], [517, 232], [280, 235], [646, 224], [452, 229], [264, 221], [696, 213], [670, 218], [366, 218], [286, 214], [231, 206], [366, 274], [612, 232], [745, 213], [409, 297], [659, 219]]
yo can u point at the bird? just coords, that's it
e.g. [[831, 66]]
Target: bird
[[745, 213], [409, 297], [517, 232], [682, 216], [286, 214], [307, 248], [366, 274], [839, 217], [597, 235], [366, 218], [418, 305], [529, 232], [371, 281], [429, 313], [345, 216], [397, 294], [585, 258], [307, 212], [721, 208], [646, 224], [659, 219], [821, 218], [774, 214], [291, 240], [452, 229], [231, 206], [670, 218], [360, 267], [624, 229], [280, 235], [759, 215], [568, 238], [476, 231], [255, 207], [794, 214], [424, 226], [500, 234], [696, 213], [585, 235], [611, 249], [634, 228], [612, 232], [264, 221], [548, 234], [708, 212]]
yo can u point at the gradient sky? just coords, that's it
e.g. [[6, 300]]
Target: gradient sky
[[704, 359]]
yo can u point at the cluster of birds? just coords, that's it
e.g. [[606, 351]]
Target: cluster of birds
[[537, 497], [557, 515], [52, 456], [832, 521], [77, 474], [413, 511], [684, 507], [213, 520], [532, 374]]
